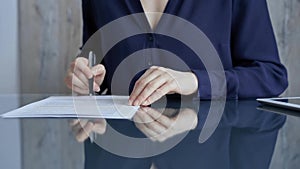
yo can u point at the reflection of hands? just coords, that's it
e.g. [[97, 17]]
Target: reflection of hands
[[79, 73], [83, 128], [159, 127], [158, 81]]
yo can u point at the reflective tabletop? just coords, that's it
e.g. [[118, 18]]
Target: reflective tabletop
[[189, 133], [183, 132]]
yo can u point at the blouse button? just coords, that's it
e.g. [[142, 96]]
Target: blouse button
[[151, 38]]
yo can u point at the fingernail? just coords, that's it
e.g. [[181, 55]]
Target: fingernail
[[144, 103], [90, 123], [94, 72], [136, 103], [139, 114], [130, 102]]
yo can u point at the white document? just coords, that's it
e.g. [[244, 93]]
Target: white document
[[108, 107]]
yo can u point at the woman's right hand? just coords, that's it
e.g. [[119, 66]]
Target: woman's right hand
[[83, 128], [79, 73]]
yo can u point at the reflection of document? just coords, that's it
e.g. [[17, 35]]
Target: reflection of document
[[109, 107]]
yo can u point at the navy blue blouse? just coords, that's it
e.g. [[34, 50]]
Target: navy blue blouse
[[240, 31]]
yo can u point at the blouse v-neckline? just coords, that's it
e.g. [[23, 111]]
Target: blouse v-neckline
[[155, 14], [135, 6]]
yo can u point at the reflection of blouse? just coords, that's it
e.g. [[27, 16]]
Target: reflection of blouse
[[240, 31]]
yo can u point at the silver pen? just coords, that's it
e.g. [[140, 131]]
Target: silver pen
[[92, 62]]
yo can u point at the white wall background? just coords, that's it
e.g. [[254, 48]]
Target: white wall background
[[9, 86]]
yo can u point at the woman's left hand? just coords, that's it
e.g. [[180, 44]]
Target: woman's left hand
[[159, 81]]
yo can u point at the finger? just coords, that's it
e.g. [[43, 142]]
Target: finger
[[133, 93], [79, 90], [78, 126], [157, 112], [99, 74], [82, 65], [161, 138], [144, 117], [141, 84], [149, 133], [74, 70], [99, 121], [158, 93], [151, 87], [150, 123], [80, 75], [162, 119], [98, 70], [138, 120], [96, 87], [99, 79], [68, 79], [75, 129], [83, 133], [77, 82], [99, 126], [148, 72], [73, 122], [162, 131]]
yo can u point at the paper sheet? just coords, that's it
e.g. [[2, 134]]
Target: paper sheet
[[108, 107]]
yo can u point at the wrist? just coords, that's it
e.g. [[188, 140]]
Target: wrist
[[194, 82], [189, 84]]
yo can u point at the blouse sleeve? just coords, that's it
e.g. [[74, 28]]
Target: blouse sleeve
[[257, 71]]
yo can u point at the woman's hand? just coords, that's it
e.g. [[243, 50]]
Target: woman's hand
[[79, 73], [158, 81], [83, 128], [159, 127]]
